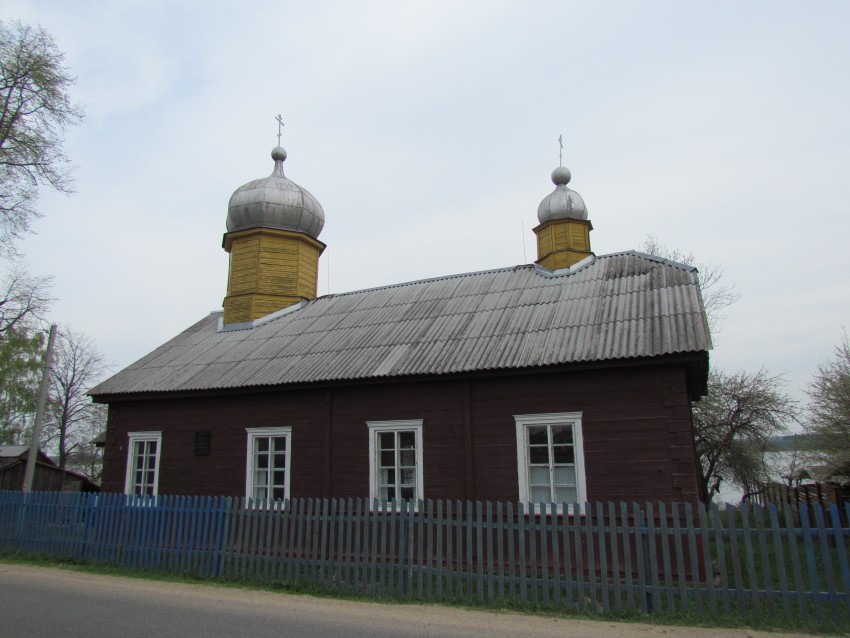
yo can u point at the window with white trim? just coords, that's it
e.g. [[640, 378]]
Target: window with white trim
[[268, 463], [550, 458], [395, 460], [143, 454]]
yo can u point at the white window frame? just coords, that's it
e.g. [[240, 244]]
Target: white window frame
[[256, 433], [406, 425], [130, 477], [523, 422]]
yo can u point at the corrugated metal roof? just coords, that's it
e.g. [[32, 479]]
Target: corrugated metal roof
[[12, 451], [609, 307]]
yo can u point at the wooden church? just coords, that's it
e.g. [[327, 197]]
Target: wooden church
[[565, 380]]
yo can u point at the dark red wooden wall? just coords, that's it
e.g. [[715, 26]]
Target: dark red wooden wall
[[637, 429]]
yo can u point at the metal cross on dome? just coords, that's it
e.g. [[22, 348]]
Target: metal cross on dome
[[279, 119], [561, 152]]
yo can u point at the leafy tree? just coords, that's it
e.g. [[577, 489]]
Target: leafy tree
[[73, 420], [20, 368], [23, 302], [35, 111], [732, 425], [829, 406]]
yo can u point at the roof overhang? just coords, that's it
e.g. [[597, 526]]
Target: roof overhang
[[695, 365]]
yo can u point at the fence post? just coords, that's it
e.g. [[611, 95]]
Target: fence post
[[404, 550], [21, 519], [647, 579], [90, 513], [222, 531]]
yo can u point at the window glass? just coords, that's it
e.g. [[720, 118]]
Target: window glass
[[538, 475], [548, 453], [565, 475], [396, 459], [562, 434], [563, 454], [141, 478], [538, 454], [406, 440], [565, 495], [268, 472]]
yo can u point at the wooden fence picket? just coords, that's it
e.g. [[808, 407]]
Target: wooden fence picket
[[490, 568], [510, 539], [544, 553], [826, 558], [469, 526], [479, 550], [814, 580], [640, 562], [767, 561], [781, 565], [603, 557], [841, 549], [665, 557], [523, 581], [735, 560], [556, 551], [579, 551]]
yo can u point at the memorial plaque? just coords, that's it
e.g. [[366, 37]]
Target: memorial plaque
[[203, 439]]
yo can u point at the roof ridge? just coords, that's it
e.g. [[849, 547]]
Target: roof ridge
[[428, 280], [656, 258]]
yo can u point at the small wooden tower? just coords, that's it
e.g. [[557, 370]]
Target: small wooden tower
[[563, 236], [273, 226]]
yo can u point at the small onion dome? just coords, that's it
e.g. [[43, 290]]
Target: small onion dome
[[562, 203], [275, 202]]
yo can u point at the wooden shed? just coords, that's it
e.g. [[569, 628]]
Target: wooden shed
[[48, 476]]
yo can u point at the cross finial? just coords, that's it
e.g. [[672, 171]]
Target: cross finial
[[279, 127], [561, 152]]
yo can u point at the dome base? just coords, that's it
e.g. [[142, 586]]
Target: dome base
[[269, 271], [562, 242]]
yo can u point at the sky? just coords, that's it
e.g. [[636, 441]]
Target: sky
[[428, 132]]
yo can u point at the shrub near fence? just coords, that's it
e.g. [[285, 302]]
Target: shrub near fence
[[753, 563]]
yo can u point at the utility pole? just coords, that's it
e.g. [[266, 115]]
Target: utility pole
[[32, 457]]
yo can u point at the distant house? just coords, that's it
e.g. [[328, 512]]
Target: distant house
[[569, 379], [48, 476]]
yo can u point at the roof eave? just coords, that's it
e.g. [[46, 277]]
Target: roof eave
[[696, 365]]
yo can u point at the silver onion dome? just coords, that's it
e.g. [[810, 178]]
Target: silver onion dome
[[562, 203], [275, 202]]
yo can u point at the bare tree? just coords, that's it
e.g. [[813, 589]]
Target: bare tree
[[717, 295], [85, 456], [23, 300], [35, 110], [829, 407], [732, 425], [73, 419]]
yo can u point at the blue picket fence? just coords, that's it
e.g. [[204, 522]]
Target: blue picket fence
[[752, 562]]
